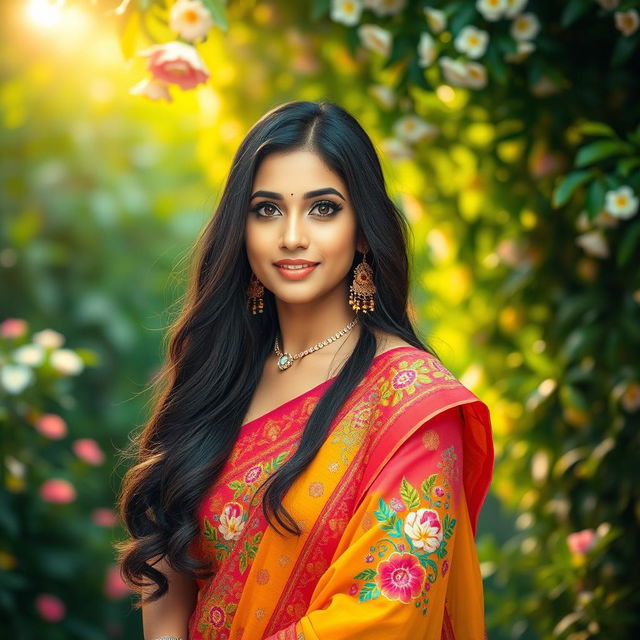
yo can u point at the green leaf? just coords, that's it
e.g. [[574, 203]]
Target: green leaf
[[626, 165], [218, 13], [595, 198], [319, 8], [129, 27], [573, 10], [242, 562], [624, 49], [628, 244], [367, 574], [384, 512], [567, 186], [600, 150], [369, 592], [210, 532], [409, 495], [593, 128], [448, 526], [428, 484]]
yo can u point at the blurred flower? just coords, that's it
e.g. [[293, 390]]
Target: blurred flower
[[66, 362], [605, 219], [472, 41], [104, 517], [454, 71], [29, 354], [426, 49], [594, 244], [386, 7], [608, 4], [48, 338], [13, 328], [631, 397], [152, 89], [384, 95], [627, 22], [524, 48], [543, 162], [525, 27], [89, 450], [177, 63], [51, 426], [514, 7], [476, 75], [375, 38], [491, 10], [50, 607], [15, 467], [396, 149], [58, 491], [436, 19], [346, 11], [413, 129], [15, 378], [545, 86], [581, 542], [621, 202], [115, 587], [190, 19]]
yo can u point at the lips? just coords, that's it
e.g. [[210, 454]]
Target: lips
[[295, 269]]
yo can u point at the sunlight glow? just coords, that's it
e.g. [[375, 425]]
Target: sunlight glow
[[45, 13]]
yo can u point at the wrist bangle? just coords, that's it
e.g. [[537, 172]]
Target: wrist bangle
[[168, 638]]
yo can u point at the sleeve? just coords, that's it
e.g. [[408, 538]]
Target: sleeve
[[390, 572]]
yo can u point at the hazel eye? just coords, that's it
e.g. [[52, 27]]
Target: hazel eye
[[332, 208], [263, 205]]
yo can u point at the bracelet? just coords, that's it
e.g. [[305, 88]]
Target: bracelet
[[168, 638]]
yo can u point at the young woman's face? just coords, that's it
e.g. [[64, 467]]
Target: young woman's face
[[300, 210]]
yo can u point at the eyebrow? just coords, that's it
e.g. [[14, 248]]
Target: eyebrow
[[309, 194]]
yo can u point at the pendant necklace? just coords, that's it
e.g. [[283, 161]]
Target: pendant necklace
[[285, 360]]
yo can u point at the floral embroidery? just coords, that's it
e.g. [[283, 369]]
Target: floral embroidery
[[403, 379], [411, 566], [231, 521]]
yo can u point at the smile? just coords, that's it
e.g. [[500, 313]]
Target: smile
[[295, 271]]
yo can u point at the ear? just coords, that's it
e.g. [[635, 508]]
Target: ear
[[362, 245]]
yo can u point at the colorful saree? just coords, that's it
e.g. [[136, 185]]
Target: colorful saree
[[388, 510]]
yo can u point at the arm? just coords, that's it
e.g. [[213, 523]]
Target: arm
[[389, 578], [169, 615]]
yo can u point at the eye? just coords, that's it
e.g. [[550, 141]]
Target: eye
[[325, 208], [324, 204], [261, 205]]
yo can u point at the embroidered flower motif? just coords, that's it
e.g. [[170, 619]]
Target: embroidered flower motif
[[369, 558], [400, 577], [253, 474], [396, 505], [316, 489], [424, 528], [353, 590], [217, 616], [405, 378], [231, 522], [439, 491], [445, 566]]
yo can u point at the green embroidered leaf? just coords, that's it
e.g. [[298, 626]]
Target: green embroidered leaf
[[369, 592], [210, 532], [278, 461], [384, 511], [242, 562], [441, 551], [397, 531], [428, 484], [367, 574], [221, 545], [267, 467], [390, 524], [448, 526], [409, 494], [236, 484], [246, 545], [230, 607], [430, 563]]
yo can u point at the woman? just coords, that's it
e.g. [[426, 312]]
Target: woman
[[311, 469]]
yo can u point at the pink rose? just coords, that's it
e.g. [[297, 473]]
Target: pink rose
[[13, 328], [439, 491], [581, 542], [115, 587], [104, 517], [50, 607], [58, 491], [51, 426], [89, 450], [176, 62]]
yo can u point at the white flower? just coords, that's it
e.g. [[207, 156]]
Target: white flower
[[514, 8], [455, 72], [66, 362], [594, 244], [627, 22], [424, 529], [491, 10], [396, 149], [15, 467], [231, 521], [48, 338], [386, 7], [152, 89], [30, 355], [524, 48], [525, 27], [413, 129], [472, 41], [436, 19], [426, 49], [476, 75], [621, 202], [375, 38], [346, 11], [190, 19], [384, 95], [15, 378]]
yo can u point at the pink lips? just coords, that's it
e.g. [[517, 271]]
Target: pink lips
[[294, 274]]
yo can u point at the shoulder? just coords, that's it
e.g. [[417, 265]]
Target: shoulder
[[388, 341]]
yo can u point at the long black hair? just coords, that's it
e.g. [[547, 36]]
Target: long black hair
[[217, 347]]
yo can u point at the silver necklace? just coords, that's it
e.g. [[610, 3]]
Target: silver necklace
[[285, 360]]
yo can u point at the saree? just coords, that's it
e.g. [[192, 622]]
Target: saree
[[388, 510]]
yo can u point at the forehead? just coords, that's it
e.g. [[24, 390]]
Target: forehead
[[296, 171]]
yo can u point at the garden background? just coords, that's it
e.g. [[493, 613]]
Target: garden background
[[509, 132]]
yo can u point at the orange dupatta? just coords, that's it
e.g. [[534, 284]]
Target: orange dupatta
[[388, 510]]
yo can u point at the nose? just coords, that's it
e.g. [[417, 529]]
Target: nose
[[294, 232]]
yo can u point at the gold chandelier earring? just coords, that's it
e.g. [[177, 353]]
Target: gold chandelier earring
[[362, 289], [255, 293]]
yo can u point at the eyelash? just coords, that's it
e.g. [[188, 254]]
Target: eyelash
[[336, 208]]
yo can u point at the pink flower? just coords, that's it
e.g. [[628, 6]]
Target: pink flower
[[50, 607], [581, 542], [439, 491], [13, 328], [217, 616], [400, 577], [353, 590], [445, 567], [231, 522], [115, 587], [253, 474], [51, 426], [176, 62], [104, 517], [58, 491], [89, 450], [368, 558], [396, 505]]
